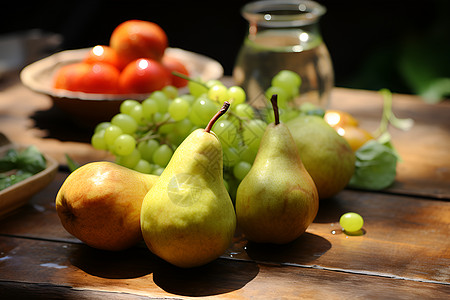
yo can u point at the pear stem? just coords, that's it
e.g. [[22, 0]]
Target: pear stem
[[222, 111], [275, 108]]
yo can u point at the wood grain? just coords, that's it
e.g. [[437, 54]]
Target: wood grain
[[77, 270], [404, 237]]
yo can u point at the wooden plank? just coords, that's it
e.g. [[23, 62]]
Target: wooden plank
[[29, 118], [78, 270], [404, 237], [425, 169]]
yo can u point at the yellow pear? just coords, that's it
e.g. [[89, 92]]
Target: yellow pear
[[277, 200], [326, 155], [100, 204], [187, 218]]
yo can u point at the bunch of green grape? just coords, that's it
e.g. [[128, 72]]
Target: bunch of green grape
[[144, 135]]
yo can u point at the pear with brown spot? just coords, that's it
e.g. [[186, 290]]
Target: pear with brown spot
[[277, 200]]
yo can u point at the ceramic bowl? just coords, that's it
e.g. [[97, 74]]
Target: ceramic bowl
[[20, 193], [90, 109]]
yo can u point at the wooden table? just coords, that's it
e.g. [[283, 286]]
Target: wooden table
[[404, 253]]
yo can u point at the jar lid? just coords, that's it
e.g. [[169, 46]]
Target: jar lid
[[283, 13]]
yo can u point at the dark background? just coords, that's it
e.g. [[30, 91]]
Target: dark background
[[367, 40]]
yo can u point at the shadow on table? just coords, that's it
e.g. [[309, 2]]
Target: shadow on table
[[307, 248], [60, 126], [131, 263], [330, 210], [218, 277]]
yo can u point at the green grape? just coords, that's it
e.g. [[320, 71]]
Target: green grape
[[202, 111], [351, 222], [174, 138], [143, 166], [124, 144], [244, 110], [147, 148], [162, 155], [196, 119], [127, 105], [252, 132], [269, 117], [230, 157], [226, 131], [237, 95], [287, 78], [149, 107], [161, 98], [241, 169], [218, 93], [248, 154], [179, 109], [130, 160], [166, 128], [98, 140], [183, 128], [227, 186], [189, 98], [101, 126], [170, 91], [125, 122], [288, 81], [212, 82], [197, 89], [137, 114], [282, 95], [288, 114], [111, 134], [160, 117], [308, 108], [158, 171]]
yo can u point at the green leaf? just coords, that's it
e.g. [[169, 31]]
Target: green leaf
[[9, 161], [7, 181], [72, 164], [31, 160], [375, 166]]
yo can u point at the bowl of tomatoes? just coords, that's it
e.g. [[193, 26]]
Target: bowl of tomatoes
[[90, 83]]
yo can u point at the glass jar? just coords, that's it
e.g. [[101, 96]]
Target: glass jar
[[284, 34]]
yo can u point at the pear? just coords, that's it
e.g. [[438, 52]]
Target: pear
[[187, 218], [326, 155], [277, 200], [100, 204]]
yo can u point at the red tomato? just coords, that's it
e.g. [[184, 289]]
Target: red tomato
[[143, 76], [173, 64], [101, 78], [135, 39], [105, 54], [69, 76]]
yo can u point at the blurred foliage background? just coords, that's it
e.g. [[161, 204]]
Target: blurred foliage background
[[400, 45]]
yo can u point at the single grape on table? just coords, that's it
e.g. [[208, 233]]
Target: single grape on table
[[351, 222]]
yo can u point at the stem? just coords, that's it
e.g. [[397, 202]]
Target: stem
[[274, 99], [188, 78], [223, 110], [388, 116]]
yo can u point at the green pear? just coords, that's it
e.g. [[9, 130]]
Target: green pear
[[326, 155], [100, 204], [277, 200], [187, 218]]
